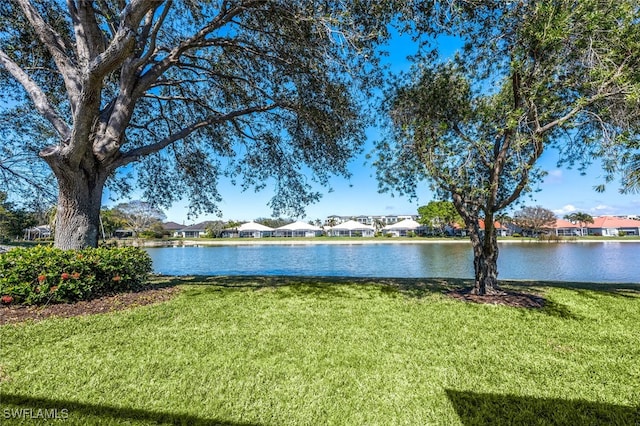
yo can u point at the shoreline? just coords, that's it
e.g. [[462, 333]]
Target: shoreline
[[200, 242], [354, 241]]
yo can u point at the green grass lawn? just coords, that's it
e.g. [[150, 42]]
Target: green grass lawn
[[287, 351]]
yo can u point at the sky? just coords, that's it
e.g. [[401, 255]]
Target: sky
[[563, 191]]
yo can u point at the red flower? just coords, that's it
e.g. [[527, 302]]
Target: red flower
[[116, 278], [6, 299], [53, 288], [41, 278], [65, 276], [75, 275]]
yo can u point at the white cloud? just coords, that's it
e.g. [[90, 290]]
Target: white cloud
[[569, 208], [553, 176]]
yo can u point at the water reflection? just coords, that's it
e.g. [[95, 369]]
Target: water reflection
[[601, 262]]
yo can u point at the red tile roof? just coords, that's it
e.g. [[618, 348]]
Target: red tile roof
[[561, 223], [603, 222], [496, 224]]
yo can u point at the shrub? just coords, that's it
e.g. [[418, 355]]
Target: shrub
[[39, 275], [549, 238]]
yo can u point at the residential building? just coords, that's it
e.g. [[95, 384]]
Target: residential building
[[352, 228], [613, 226], [298, 229], [248, 230], [564, 228], [404, 228], [197, 230]]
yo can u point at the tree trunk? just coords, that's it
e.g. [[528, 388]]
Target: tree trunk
[[78, 212], [485, 260]]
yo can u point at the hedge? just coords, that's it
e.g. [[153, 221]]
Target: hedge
[[40, 275]]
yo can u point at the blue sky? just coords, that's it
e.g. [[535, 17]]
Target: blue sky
[[563, 191]]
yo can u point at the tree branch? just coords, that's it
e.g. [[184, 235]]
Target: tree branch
[[89, 38], [537, 152], [56, 46], [152, 37], [124, 39], [574, 111], [224, 17], [135, 154], [37, 96]]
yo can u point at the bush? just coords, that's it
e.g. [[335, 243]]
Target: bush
[[40, 275], [549, 238]]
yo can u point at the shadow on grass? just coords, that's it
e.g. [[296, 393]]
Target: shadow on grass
[[77, 410], [417, 287], [420, 286], [325, 287], [478, 408]]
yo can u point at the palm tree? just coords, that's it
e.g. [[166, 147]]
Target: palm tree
[[581, 219]]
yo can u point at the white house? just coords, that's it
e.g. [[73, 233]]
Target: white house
[[403, 228], [196, 230], [352, 228], [298, 229], [254, 230], [40, 231]]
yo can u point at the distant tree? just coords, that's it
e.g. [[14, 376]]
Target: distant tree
[[14, 220], [534, 219], [439, 214], [186, 88], [155, 230], [531, 75], [504, 219], [5, 217], [214, 228], [140, 215], [579, 218], [233, 224], [111, 220], [377, 223]]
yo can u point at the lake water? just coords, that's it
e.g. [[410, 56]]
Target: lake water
[[586, 262]]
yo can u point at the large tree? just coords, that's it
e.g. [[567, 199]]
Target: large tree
[[193, 90], [139, 215], [534, 219], [439, 214], [530, 75]]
